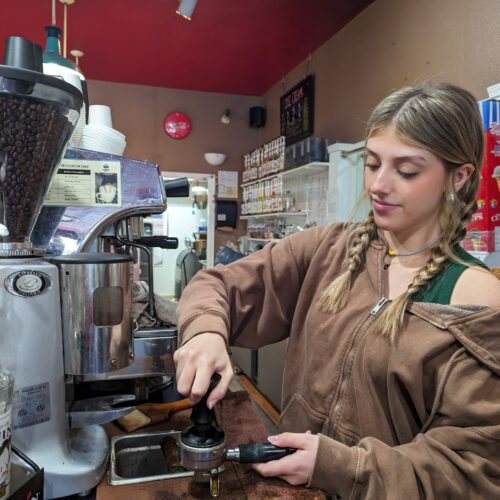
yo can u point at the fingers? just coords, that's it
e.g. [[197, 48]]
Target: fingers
[[282, 467], [200, 383], [196, 361], [297, 467], [292, 439], [220, 390]]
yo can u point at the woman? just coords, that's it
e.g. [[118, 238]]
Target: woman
[[391, 384]]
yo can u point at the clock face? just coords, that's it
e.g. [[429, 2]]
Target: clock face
[[177, 125]]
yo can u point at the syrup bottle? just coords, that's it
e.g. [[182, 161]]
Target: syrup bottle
[[6, 392]]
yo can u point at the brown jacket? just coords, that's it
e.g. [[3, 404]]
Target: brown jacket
[[417, 419]]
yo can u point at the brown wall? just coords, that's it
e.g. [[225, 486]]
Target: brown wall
[[138, 111], [391, 44]]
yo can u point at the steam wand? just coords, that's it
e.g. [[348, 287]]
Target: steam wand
[[151, 298]]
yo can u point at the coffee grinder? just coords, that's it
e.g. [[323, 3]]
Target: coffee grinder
[[37, 116]]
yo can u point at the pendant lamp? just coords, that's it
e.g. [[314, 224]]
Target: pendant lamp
[[186, 8]]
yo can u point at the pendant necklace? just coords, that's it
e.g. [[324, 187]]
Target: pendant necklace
[[394, 253]]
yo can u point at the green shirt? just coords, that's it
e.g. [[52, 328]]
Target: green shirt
[[439, 289]]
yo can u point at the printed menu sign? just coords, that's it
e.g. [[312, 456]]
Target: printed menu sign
[[86, 183], [297, 111], [227, 186]]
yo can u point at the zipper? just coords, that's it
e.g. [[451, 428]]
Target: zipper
[[347, 364], [376, 308]]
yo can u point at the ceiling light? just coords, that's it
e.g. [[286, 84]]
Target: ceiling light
[[186, 8]]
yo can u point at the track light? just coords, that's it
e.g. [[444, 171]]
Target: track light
[[186, 8]]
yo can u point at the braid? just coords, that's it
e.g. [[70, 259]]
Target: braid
[[392, 318], [359, 241], [433, 266], [334, 297], [456, 215], [467, 206]]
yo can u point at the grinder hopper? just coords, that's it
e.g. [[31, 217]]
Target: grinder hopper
[[37, 116]]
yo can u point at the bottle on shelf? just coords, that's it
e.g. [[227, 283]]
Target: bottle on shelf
[[6, 393], [288, 202]]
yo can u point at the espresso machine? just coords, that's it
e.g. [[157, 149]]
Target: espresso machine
[[66, 271]]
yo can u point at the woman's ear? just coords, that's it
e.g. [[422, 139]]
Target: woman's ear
[[461, 174]]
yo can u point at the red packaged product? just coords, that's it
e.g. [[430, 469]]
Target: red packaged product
[[481, 230]]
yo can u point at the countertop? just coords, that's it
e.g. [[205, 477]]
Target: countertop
[[236, 416]]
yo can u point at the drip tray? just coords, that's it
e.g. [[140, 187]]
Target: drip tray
[[152, 456]]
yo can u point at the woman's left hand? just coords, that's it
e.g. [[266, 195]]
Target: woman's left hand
[[296, 468]]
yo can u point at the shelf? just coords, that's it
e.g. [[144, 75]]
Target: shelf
[[305, 170], [267, 178], [263, 239], [274, 214], [317, 167]]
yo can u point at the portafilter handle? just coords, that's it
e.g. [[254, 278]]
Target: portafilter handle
[[255, 453]]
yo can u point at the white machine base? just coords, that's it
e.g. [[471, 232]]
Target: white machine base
[[31, 348], [81, 468]]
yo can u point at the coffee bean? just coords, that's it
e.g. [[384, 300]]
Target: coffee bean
[[31, 133]]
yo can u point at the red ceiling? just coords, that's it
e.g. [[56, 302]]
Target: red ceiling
[[230, 46]]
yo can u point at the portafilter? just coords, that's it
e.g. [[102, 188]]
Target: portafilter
[[202, 446]]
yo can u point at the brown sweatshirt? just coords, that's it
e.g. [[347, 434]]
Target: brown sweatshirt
[[416, 419]]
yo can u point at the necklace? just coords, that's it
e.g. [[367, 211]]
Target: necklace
[[394, 253]]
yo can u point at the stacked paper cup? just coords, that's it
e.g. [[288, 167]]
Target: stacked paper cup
[[99, 134], [76, 137]]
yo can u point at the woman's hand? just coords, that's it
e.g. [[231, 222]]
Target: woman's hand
[[296, 468], [196, 361]]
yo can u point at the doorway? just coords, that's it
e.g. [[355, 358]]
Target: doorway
[[185, 219]]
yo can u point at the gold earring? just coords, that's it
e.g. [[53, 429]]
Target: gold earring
[[451, 197]]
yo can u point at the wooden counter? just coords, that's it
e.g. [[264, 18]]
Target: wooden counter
[[238, 482]]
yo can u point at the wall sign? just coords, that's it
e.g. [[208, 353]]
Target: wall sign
[[297, 111], [227, 184], [177, 125]]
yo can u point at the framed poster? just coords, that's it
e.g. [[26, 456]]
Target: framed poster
[[297, 111]]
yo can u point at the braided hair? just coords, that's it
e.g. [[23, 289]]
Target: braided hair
[[445, 120]]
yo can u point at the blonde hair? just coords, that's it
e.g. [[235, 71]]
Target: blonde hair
[[445, 120]]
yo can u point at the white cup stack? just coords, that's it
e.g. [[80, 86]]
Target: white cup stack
[[76, 137], [99, 134]]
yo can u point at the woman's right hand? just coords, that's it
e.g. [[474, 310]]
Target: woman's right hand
[[196, 361]]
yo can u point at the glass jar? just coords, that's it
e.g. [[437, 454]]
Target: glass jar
[[6, 392]]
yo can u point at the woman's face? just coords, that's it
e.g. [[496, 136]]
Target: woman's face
[[405, 183]]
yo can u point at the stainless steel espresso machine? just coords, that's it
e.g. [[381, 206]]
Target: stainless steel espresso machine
[[65, 304]]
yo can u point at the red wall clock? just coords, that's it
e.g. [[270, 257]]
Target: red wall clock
[[177, 125]]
